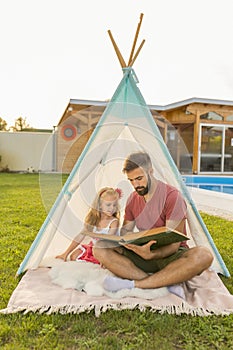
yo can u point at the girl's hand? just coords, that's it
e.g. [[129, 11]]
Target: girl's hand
[[144, 251]]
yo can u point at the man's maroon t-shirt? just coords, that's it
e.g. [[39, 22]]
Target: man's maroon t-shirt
[[166, 204]]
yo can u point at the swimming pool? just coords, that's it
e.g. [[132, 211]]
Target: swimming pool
[[213, 183]]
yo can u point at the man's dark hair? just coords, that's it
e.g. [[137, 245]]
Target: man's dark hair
[[136, 160]]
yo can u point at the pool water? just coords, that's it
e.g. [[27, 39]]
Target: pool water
[[213, 183]]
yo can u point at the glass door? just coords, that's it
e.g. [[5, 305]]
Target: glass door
[[228, 149], [215, 148]]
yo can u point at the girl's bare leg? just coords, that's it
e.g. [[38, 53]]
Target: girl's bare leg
[[75, 254]]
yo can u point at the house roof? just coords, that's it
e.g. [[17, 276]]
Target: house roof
[[160, 107], [156, 108]]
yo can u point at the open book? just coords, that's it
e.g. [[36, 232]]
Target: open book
[[162, 235]]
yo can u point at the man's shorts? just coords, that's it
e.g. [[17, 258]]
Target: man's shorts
[[153, 265]]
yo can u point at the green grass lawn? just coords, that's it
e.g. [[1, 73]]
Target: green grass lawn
[[21, 216]]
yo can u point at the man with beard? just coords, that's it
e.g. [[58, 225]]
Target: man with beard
[[152, 204]]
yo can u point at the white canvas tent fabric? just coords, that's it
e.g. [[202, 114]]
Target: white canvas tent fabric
[[126, 126]]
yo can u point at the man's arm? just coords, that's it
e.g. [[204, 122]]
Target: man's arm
[[178, 226], [127, 227]]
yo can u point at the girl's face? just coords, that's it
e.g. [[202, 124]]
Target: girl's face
[[108, 205]]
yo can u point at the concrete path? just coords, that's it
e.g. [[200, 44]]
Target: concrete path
[[213, 203]]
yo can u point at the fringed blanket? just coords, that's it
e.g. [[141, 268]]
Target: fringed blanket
[[75, 287]]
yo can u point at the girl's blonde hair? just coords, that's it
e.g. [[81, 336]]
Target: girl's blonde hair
[[94, 214]]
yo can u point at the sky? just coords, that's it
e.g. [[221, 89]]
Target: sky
[[52, 51]]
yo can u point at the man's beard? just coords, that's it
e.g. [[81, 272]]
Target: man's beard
[[142, 190]]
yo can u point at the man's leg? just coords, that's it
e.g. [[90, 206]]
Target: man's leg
[[113, 260], [192, 263]]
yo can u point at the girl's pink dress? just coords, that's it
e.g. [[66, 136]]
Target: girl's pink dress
[[87, 249]]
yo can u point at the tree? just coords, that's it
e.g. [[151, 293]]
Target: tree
[[3, 125], [20, 124]]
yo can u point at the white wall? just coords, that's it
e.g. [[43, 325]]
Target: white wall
[[22, 150]]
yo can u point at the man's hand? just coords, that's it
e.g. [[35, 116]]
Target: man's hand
[[144, 251]]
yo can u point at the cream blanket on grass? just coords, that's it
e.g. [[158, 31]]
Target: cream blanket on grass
[[61, 289]]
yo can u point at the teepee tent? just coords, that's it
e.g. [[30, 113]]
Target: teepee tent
[[126, 126]]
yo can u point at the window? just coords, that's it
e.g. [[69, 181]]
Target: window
[[211, 116], [229, 118]]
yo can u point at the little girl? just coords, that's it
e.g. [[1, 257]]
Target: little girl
[[102, 217]]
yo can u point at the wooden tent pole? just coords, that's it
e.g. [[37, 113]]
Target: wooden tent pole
[[135, 40], [136, 54], [119, 55]]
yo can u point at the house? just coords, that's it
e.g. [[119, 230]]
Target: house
[[198, 133]]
